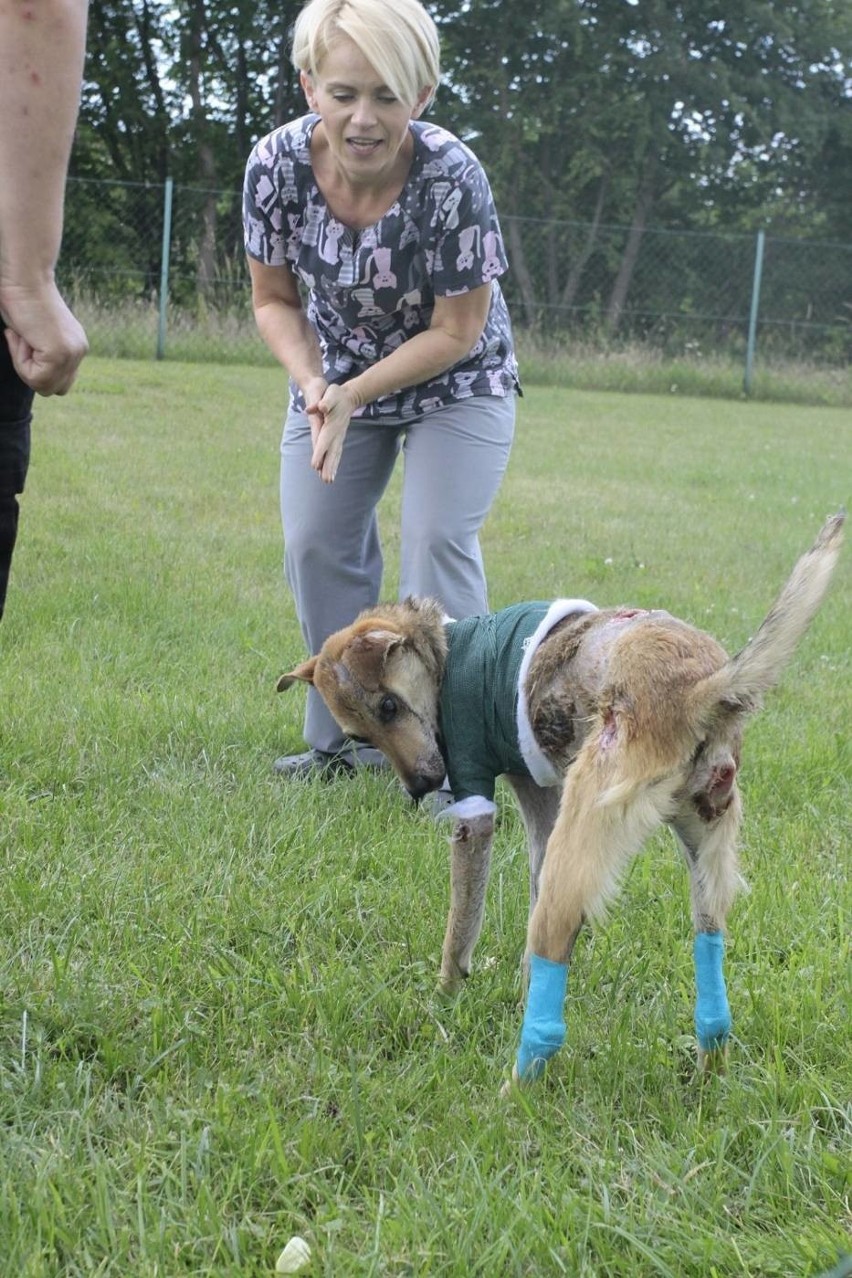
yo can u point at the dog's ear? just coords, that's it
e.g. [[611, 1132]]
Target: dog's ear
[[377, 642], [367, 653], [303, 673]]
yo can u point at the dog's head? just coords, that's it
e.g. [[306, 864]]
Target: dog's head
[[381, 679]]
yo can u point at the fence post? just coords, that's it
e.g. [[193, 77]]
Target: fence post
[[164, 268], [755, 307]]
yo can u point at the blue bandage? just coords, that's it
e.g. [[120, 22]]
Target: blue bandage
[[712, 1014], [543, 1031]]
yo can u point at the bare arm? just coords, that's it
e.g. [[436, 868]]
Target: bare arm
[[42, 46], [282, 322], [456, 327], [284, 327]]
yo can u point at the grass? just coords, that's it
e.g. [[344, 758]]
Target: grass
[[217, 1022]]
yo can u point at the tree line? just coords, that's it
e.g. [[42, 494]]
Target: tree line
[[727, 116]]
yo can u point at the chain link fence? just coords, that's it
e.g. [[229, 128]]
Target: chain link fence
[[159, 271]]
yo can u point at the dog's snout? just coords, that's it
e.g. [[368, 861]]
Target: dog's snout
[[419, 785]]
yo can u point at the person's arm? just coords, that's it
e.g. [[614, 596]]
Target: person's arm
[[284, 327], [42, 47], [283, 324], [456, 326]]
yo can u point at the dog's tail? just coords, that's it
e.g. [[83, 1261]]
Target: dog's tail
[[739, 686], [734, 690]]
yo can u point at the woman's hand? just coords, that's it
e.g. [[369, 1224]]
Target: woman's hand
[[329, 417], [313, 390]]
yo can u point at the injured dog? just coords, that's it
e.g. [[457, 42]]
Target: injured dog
[[605, 723]]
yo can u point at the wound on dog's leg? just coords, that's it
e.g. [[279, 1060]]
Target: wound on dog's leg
[[712, 1014], [543, 1031]]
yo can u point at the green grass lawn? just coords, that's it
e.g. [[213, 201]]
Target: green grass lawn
[[217, 1021]]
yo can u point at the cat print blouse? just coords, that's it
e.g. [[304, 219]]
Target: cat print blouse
[[369, 290]]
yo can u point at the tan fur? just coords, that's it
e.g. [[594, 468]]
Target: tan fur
[[641, 712], [395, 652]]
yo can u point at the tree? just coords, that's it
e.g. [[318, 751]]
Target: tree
[[618, 113], [595, 119], [180, 92]]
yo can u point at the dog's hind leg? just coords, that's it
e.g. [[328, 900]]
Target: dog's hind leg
[[539, 806], [598, 828], [709, 846], [470, 864]]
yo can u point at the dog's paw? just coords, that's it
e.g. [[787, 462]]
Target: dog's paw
[[521, 1090], [449, 987], [713, 1061], [512, 1085]]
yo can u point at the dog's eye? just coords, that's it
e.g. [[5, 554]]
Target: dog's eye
[[388, 709]]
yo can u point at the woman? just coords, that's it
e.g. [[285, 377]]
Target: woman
[[387, 226]]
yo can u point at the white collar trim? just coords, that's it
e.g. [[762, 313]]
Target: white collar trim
[[541, 769]]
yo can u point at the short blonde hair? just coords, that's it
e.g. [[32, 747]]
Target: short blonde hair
[[397, 37]]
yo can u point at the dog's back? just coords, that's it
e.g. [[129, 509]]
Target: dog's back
[[651, 691]]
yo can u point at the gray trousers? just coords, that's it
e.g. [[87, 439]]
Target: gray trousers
[[454, 460]]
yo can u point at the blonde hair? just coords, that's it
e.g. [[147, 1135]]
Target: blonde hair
[[397, 37]]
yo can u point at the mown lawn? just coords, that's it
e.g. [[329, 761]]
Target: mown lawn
[[217, 1022]]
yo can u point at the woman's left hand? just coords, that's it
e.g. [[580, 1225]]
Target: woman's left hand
[[334, 409]]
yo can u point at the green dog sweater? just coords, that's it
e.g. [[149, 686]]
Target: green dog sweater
[[482, 724]]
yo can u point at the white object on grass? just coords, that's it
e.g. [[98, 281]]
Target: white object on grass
[[295, 1256]]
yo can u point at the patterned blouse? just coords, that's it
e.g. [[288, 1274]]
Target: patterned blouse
[[369, 290]]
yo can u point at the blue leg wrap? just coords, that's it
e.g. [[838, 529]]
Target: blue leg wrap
[[543, 1031], [712, 1014]]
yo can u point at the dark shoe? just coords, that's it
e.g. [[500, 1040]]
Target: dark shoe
[[324, 764]]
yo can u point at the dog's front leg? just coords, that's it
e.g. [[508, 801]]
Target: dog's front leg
[[470, 863]]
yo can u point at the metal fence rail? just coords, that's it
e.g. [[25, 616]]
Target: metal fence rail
[[159, 270]]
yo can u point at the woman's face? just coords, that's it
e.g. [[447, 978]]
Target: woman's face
[[365, 125]]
